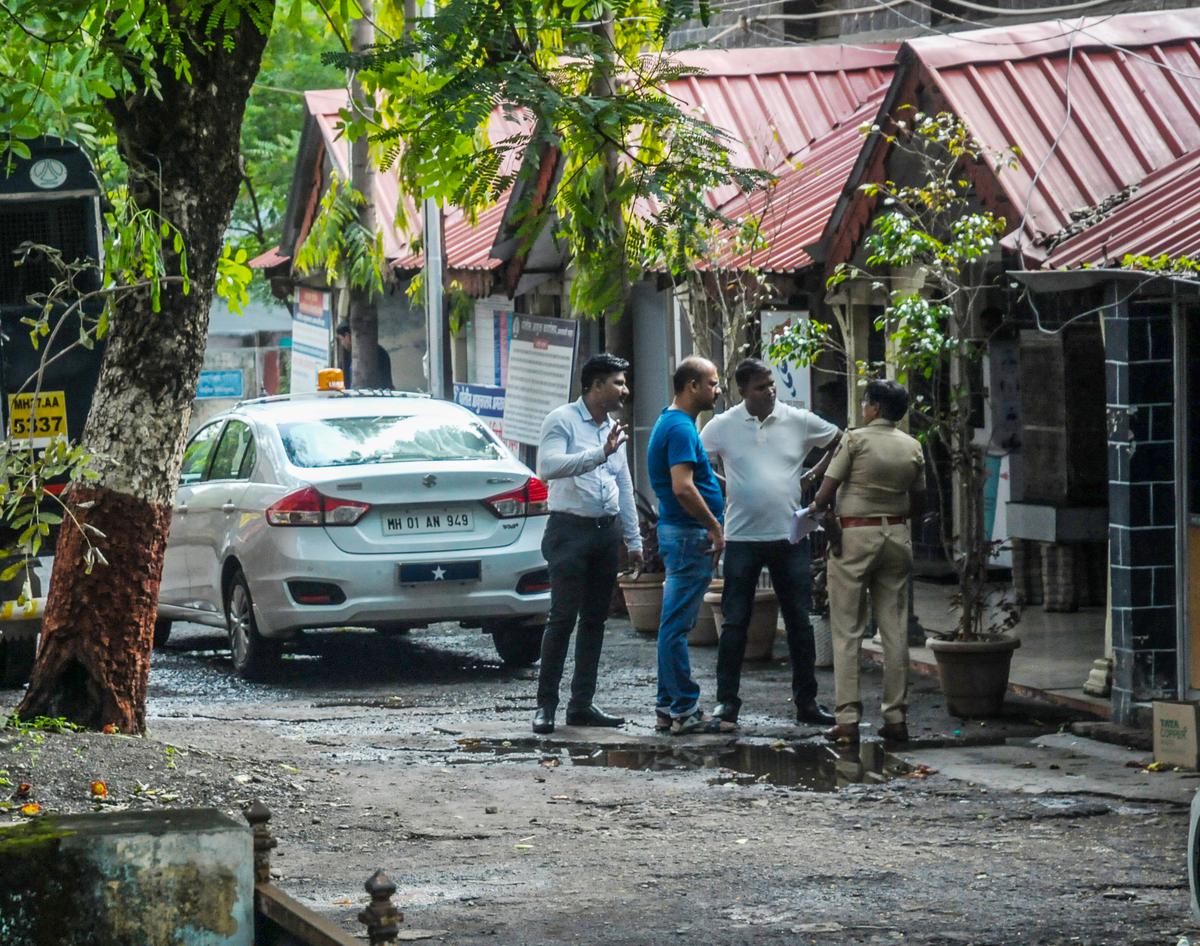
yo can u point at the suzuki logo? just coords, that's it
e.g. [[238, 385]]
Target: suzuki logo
[[429, 480]]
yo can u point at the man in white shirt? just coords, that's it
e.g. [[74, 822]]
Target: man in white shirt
[[581, 455], [762, 444]]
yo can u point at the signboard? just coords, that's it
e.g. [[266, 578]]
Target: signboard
[[490, 337], [793, 383], [223, 383], [312, 326], [39, 424], [486, 402], [541, 361]]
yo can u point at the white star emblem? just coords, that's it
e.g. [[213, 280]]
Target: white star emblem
[[439, 573]]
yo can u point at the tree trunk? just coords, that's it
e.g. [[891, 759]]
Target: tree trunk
[[364, 315], [181, 148]]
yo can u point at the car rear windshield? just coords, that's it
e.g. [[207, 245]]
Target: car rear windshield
[[346, 441]]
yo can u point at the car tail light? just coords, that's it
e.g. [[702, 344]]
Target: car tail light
[[308, 507], [532, 499], [534, 583], [316, 592]]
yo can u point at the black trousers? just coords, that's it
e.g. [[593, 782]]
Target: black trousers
[[791, 576], [583, 556]]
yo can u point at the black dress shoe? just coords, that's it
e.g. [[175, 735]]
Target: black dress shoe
[[815, 713], [726, 711], [543, 721], [593, 717]]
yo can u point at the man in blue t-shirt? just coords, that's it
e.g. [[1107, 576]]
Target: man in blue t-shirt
[[690, 536]]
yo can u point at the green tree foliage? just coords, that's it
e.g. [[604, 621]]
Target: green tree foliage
[[274, 117], [635, 169]]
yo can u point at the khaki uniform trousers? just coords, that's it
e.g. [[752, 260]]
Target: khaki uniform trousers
[[874, 565]]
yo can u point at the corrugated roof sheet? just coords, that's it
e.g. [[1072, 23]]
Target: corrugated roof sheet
[[468, 246], [796, 208], [1133, 87], [1162, 216], [267, 259], [777, 101]]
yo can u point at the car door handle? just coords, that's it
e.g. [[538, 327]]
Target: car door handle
[[181, 509], [228, 507]]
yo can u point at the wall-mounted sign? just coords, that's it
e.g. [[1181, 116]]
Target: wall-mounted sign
[[541, 361], [312, 326], [793, 383], [221, 383]]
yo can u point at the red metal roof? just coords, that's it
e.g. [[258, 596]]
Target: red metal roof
[[796, 208], [266, 260], [1162, 216], [1133, 87], [776, 101], [468, 246]]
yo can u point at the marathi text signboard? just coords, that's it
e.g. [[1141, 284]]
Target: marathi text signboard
[[227, 383], [541, 361], [487, 403], [793, 383], [311, 328]]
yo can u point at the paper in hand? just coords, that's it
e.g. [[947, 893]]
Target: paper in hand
[[803, 523]]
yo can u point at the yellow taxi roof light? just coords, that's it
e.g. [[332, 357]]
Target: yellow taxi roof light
[[331, 379]]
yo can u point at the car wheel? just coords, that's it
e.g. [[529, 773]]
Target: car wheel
[[17, 653], [254, 656], [519, 645], [162, 632]]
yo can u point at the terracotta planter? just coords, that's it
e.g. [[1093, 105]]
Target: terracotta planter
[[974, 674], [643, 599], [760, 634], [704, 631]]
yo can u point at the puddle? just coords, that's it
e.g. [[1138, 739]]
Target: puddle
[[813, 767]]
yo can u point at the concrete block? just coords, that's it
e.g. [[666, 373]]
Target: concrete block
[[159, 878]]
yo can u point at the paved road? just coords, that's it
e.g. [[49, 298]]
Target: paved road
[[414, 753]]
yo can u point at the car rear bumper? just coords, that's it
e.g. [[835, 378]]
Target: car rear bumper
[[373, 593]]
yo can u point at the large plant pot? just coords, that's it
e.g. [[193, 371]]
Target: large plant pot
[[974, 674], [643, 600], [704, 631], [760, 633]]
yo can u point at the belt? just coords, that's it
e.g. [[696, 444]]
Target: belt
[[849, 522], [598, 522]]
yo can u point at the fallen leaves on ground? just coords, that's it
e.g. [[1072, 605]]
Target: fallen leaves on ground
[[32, 810], [99, 789]]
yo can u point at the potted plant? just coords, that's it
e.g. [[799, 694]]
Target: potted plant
[[927, 250], [643, 589]]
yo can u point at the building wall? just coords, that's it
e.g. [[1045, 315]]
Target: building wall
[[1142, 507]]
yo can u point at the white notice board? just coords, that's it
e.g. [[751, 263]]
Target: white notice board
[[541, 362], [311, 325], [793, 383]]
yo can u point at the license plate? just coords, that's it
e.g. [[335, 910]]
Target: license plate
[[37, 423], [411, 573], [424, 521]]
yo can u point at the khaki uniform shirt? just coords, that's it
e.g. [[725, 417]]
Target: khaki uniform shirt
[[877, 467]]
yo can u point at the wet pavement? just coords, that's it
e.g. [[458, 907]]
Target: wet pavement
[[414, 753]]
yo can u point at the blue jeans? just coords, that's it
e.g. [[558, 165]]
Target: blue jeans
[[685, 552]]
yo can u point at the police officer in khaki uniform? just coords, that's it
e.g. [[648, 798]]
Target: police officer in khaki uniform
[[878, 475]]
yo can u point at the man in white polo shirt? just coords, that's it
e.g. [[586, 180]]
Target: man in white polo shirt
[[761, 444]]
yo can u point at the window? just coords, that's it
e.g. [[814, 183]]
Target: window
[[234, 458], [348, 441], [197, 453]]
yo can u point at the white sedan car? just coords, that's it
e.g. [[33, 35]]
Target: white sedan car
[[354, 509]]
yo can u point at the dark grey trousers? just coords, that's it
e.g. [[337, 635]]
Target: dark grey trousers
[[583, 559]]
